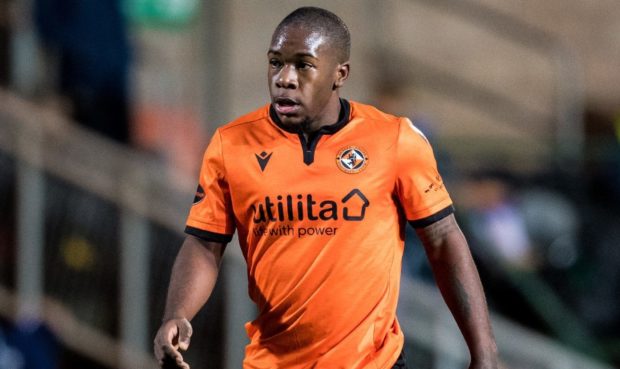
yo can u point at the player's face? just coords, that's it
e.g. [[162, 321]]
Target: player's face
[[304, 74]]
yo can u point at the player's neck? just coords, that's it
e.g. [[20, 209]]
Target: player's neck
[[330, 116]]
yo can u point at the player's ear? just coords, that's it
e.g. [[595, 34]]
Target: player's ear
[[342, 73]]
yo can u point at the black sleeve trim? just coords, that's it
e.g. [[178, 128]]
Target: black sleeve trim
[[424, 222], [208, 236]]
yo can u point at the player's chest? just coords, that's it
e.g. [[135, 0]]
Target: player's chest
[[328, 168]]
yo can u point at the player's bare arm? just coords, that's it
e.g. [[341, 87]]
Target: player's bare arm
[[193, 277], [459, 283]]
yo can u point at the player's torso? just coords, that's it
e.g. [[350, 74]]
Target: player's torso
[[320, 230]]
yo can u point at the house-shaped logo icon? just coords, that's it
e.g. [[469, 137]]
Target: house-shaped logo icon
[[355, 204]]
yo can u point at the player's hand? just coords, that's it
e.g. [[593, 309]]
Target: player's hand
[[172, 337]]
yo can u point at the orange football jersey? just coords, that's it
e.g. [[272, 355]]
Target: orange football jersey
[[321, 226]]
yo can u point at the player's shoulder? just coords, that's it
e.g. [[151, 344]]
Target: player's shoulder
[[372, 120], [400, 128], [370, 112], [241, 124]]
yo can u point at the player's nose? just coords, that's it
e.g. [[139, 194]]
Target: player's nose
[[287, 78]]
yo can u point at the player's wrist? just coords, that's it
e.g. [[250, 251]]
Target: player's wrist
[[166, 319]]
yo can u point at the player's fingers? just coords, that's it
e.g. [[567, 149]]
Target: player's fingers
[[163, 338], [178, 359], [185, 334], [158, 345], [172, 353]]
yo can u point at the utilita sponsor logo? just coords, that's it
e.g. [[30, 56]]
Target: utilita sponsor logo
[[352, 207]]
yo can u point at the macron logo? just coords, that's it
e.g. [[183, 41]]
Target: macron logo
[[263, 159]]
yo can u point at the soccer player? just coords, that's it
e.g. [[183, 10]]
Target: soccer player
[[319, 189]]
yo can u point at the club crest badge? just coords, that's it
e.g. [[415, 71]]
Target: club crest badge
[[352, 160]]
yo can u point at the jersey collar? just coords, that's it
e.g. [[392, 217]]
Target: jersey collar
[[343, 119]]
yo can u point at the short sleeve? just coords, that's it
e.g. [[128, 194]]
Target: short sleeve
[[419, 186], [210, 216]]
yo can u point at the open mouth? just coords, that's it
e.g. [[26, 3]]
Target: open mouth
[[286, 106]]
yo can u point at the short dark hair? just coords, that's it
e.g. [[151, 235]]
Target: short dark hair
[[323, 21]]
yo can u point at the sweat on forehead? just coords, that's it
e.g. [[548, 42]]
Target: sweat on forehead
[[312, 37], [321, 22]]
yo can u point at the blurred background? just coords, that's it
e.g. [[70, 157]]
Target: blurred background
[[107, 105]]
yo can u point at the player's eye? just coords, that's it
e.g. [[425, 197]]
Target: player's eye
[[304, 66], [275, 63]]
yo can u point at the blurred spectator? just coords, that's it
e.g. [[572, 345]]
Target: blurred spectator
[[500, 243], [553, 224], [89, 39], [525, 240], [497, 223], [10, 357], [28, 345]]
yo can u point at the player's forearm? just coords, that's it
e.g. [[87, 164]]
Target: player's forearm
[[193, 277], [460, 286], [457, 278]]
